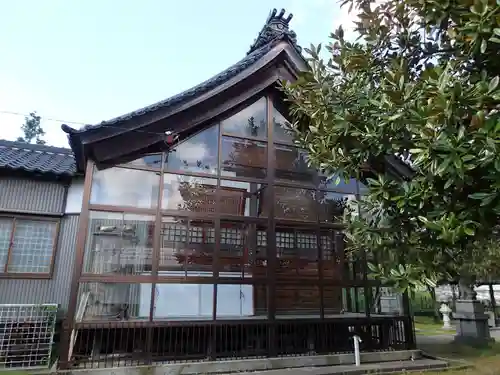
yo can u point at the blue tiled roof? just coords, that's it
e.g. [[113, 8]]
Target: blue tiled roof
[[36, 158]]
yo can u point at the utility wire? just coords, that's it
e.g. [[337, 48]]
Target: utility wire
[[78, 123]]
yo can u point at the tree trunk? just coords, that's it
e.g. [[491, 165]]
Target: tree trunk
[[435, 305]]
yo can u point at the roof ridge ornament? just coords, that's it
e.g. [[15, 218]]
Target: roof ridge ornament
[[276, 27]]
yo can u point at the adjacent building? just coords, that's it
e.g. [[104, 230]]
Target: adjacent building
[[40, 204]]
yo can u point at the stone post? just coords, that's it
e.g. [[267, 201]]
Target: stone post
[[472, 323], [445, 311]]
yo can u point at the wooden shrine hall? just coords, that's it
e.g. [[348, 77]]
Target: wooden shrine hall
[[204, 233]]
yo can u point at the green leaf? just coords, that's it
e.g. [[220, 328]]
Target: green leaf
[[478, 196], [469, 231], [484, 45], [395, 117], [372, 267], [493, 84]]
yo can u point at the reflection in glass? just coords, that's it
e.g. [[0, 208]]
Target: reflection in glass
[[332, 205], [249, 122], [196, 154], [187, 247], [293, 243], [183, 301], [281, 128], [114, 301], [243, 158], [298, 299], [297, 251], [119, 243], [125, 187], [291, 165], [338, 184], [234, 300], [188, 193], [295, 204], [241, 245], [147, 161], [241, 198], [332, 268], [332, 299]]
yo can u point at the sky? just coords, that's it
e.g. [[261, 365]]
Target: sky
[[85, 61]]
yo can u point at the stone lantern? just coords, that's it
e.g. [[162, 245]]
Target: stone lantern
[[445, 311]]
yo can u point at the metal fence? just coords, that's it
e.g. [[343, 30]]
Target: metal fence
[[114, 344], [26, 335]]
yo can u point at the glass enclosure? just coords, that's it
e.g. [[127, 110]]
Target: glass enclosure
[[231, 223]]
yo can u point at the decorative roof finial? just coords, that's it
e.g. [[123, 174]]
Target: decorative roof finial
[[276, 27]]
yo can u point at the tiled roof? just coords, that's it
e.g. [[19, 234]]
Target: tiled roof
[[193, 92], [36, 158], [274, 31]]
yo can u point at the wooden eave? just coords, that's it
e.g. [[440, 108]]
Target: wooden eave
[[106, 144]]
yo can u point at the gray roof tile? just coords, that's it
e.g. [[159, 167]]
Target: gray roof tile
[[193, 92], [36, 158]]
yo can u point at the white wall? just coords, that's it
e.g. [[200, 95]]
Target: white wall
[[74, 199]]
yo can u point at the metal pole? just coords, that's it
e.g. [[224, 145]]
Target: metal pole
[[357, 356]]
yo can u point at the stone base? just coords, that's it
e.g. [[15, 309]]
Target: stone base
[[342, 364], [472, 323]]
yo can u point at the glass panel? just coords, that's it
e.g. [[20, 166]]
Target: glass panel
[[291, 165], [184, 301], [241, 245], [354, 300], [119, 244], [250, 122], [339, 184], [298, 253], [234, 300], [332, 205], [243, 158], [188, 193], [147, 161], [187, 248], [33, 246], [261, 296], [297, 301], [115, 301], [241, 198], [332, 265], [332, 300], [6, 225], [281, 132], [196, 154], [295, 204], [125, 187]]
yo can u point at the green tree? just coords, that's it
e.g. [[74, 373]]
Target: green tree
[[32, 130], [412, 104]]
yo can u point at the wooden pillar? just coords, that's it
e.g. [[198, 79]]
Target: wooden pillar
[[271, 234], [69, 322]]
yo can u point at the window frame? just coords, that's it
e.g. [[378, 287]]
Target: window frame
[[4, 273]]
